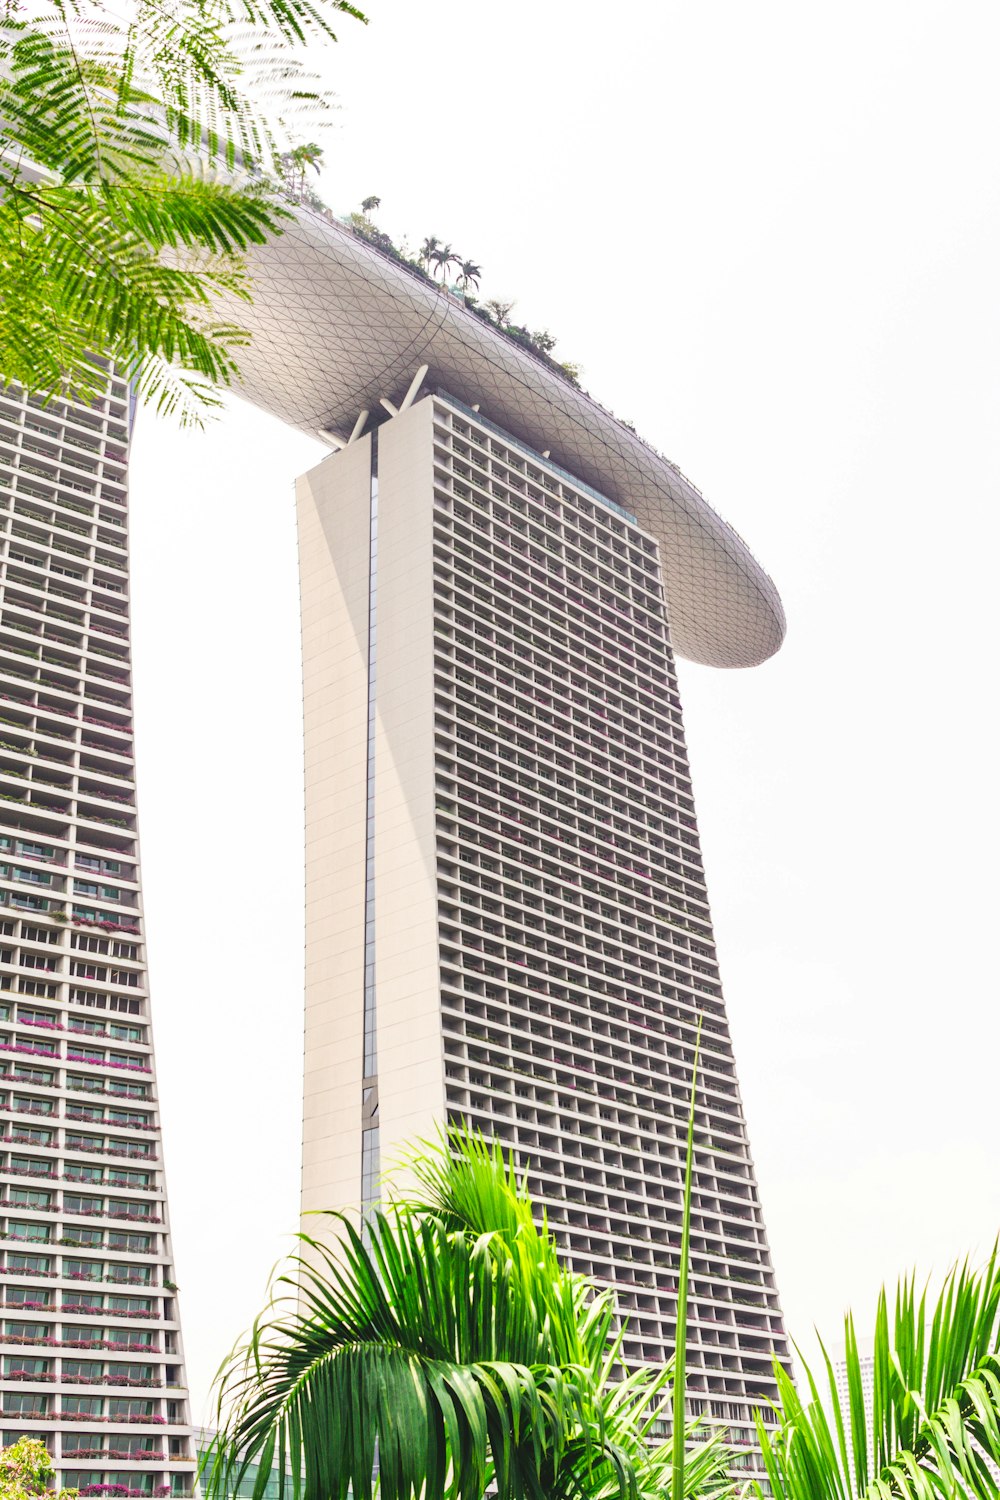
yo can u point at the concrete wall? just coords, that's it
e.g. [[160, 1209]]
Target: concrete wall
[[333, 502], [410, 1053]]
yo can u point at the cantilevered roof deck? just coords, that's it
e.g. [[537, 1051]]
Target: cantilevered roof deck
[[338, 325]]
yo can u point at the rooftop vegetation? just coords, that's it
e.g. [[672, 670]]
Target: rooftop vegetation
[[432, 263], [434, 260]]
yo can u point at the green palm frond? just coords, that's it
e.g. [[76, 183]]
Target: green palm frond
[[933, 1428], [134, 157], [133, 268], [449, 1339]]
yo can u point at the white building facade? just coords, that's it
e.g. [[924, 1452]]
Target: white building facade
[[90, 1346], [507, 921]]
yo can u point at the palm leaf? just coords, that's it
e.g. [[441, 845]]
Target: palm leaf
[[111, 229], [449, 1340], [934, 1424]]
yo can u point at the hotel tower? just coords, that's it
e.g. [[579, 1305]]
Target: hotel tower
[[90, 1351], [506, 915], [507, 920]]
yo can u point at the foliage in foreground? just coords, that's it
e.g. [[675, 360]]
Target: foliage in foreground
[[451, 1336], [132, 142], [933, 1427], [26, 1470]]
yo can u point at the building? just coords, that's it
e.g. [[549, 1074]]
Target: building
[[507, 920], [866, 1369], [90, 1344], [204, 1439], [866, 1366]]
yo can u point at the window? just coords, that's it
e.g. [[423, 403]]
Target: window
[[83, 1270], [128, 1090], [84, 1235], [77, 1171], [81, 1333], [127, 1034], [35, 1075], [33, 1016], [27, 1333], [130, 1336], [122, 1178], [83, 1406], [136, 1244], [76, 1203], [15, 1365], [130, 1304], [30, 1197], [19, 1231], [24, 1404], [134, 1275], [86, 1026], [26, 1105], [82, 1369], [25, 1264], [75, 1141], [34, 1134], [28, 1296], [131, 1373]]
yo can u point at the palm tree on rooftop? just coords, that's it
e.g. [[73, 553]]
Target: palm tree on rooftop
[[444, 256], [301, 157], [428, 251], [468, 275]]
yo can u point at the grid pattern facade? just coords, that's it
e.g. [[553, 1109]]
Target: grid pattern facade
[[576, 944], [90, 1345]]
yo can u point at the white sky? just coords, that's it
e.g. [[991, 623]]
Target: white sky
[[770, 234]]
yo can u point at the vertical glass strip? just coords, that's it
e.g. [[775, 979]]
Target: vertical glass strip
[[370, 1160]]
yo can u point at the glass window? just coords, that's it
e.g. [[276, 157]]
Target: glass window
[[37, 1263], [80, 1333], [76, 1203], [28, 1296], [25, 1404], [19, 1231], [17, 1365], [83, 1406]]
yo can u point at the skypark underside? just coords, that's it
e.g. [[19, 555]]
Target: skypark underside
[[337, 326]]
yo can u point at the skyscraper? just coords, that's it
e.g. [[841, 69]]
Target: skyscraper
[[90, 1345], [507, 920]]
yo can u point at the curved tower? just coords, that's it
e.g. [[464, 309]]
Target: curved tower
[[507, 919], [90, 1344]]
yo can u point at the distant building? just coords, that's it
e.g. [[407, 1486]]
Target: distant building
[[204, 1438], [867, 1366]]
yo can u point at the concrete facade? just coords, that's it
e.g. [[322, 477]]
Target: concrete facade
[[529, 883], [91, 1359]]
